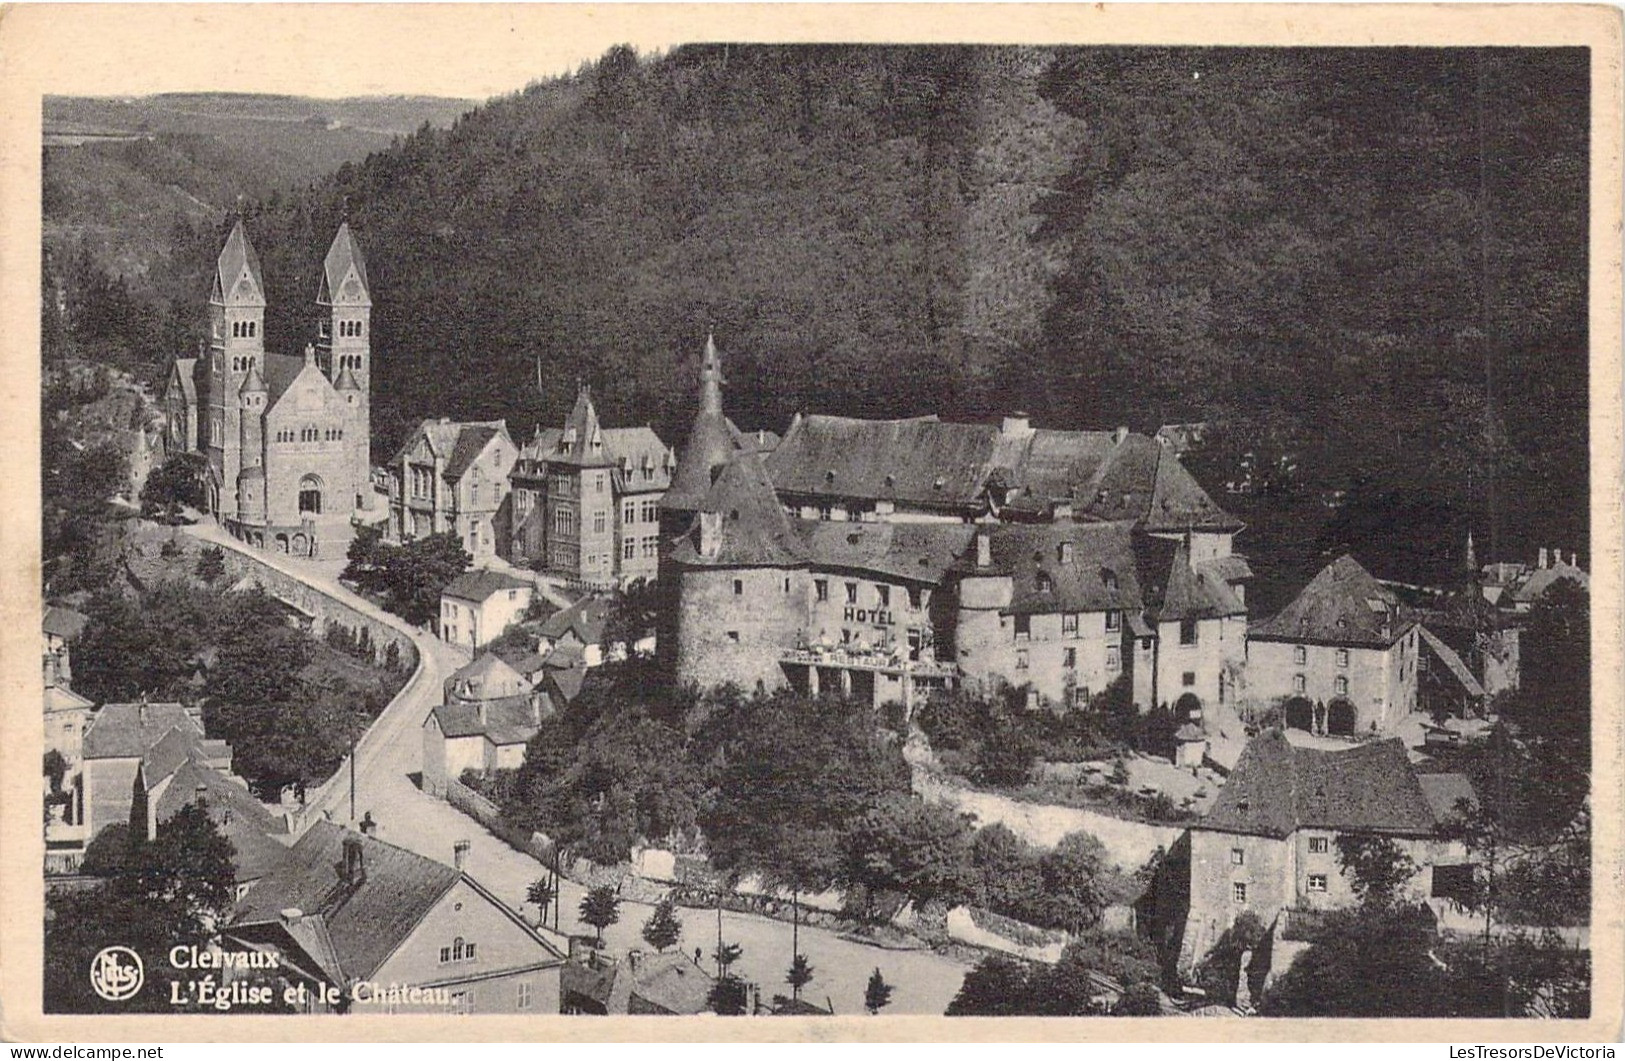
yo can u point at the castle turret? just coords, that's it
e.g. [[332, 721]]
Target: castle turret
[[251, 398], [236, 346]]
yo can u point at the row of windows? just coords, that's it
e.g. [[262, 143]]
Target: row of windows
[[918, 597], [1300, 655], [1071, 622], [645, 511], [648, 548], [459, 951], [311, 434], [349, 329], [350, 361], [1069, 659], [244, 329], [422, 482], [241, 364]]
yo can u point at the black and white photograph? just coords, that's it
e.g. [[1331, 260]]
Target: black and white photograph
[[850, 529]]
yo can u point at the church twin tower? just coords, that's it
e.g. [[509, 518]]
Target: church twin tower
[[287, 437]]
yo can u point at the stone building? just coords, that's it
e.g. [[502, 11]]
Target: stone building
[[587, 499], [1269, 845], [287, 437], [478, 605], [890, 556], [452, 477], [1340, 659]]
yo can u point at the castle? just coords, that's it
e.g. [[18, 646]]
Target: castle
[[287, 437], [885, 558]]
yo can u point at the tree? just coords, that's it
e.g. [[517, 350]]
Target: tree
[[1376, 867], [1139, 1000], [907, 845], [172, 891], [799, 975], [211, 564], [729, 996], [634, 614], [173, 484], [877, 995], [725, 955], [663, 929], [364, 556], [56, 768], [540, 892], [997, 987], [600, 908]]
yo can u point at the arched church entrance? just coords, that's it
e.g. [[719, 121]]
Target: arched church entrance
[[310, 495]]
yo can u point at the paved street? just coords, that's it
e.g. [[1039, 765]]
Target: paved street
[[925, 982]]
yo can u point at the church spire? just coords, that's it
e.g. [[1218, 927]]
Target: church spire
[[711, 378], [710, 442]]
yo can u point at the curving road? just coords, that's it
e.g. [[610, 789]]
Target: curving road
[[924, 981]]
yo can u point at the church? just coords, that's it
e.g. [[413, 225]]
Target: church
[[287, 436]]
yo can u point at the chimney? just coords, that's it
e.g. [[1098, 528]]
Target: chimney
[[1119, 435], [1062, 510], [141, 708], [984, 549], [310, 354], [1015, 425], [1574, 559], [459, 853], [480, 705], [710, 534], [291, 915], [634, 958], [533, 702], [1542, 564], [353, 870]]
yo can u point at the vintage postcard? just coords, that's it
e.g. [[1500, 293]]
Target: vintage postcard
[[579, 522]]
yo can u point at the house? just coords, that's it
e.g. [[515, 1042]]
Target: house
[[587, 499], [581, 624], [478, 605], [59, 629], [490, 713], [1270, 843], [1550, 569], [175, 774], [121, 738], [387, 930], [1340, 659], [662, 984], [453, 477]]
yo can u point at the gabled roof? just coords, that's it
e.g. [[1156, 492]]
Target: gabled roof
[[280, 372], [633, 449], [1088, 567], [1278, 787], [1444, 792], [367, 921], [1543, 579], [582, 442], [481, 584], [63, 622], [128, 731], [752, 527], [1342, 605], [1452, 662], [921, 461], [471, 442], [344, 254], [236, 257], [185, 371], [251, 828], [488, 676], [585, 619], [910, 552], [508, 719]]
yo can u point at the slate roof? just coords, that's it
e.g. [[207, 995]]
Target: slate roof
[[1443, 791], [63, 622], [1102, 574], [1278, 787], [472, 438], [121, 731], [710, 444], [1452, 662], [234, 256], [1342, 605], [488, 676], [251, 828], [366, 922], [280, 372], [755, 532], [344, 253], [481, 584], [1195, 594], [582, 441], [508, 719], [922, 461], [910, 552], [585, 620], [632, 449], [1542, 579], [186, 371]]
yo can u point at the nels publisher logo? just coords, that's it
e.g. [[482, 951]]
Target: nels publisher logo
[[116, 973]]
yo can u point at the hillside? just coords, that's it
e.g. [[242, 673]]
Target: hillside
[[1364, 269]]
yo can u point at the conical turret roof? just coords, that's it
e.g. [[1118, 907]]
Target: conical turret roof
[[347, 380], [254, 381], [710, 443], [754, 530]]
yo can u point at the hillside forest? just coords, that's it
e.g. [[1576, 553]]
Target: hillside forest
[[1363, 269]]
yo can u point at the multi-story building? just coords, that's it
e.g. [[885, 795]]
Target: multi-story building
[[453, 477], [887, 555], [1269, 845], [386, 930], [287, 437], [478, 605], [587, 499], [1340, 659]]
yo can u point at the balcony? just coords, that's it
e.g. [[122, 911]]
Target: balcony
[[877, 660]]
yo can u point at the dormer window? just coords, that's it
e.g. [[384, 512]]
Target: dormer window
[[1045, 584], [1063, 552], [1108, 579]]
